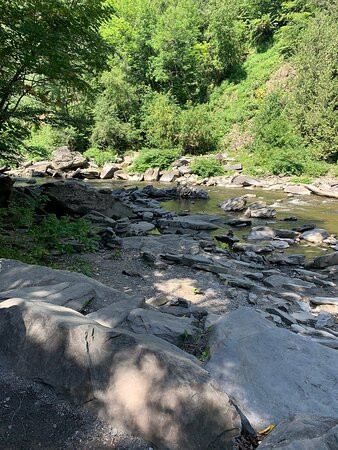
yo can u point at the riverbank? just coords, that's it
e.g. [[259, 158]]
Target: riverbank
[[222, 290]]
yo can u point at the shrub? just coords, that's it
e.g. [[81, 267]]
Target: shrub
[[161, 121], [151, 158], [100, 157], [207, 167], [196, 130]]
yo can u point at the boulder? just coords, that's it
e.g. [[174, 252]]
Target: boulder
[[59, 287], [261, 233], [280, 281], [261, 213], [298, 190], [168, 177], [303, 432], [138, 383], [243, 180], [190, 192], [233, 167], [152, 174], [241, 247], [186, 222], [74, 197], [325, 261], [113, 315], [64, 159], [6, 184], [234, 204], [91, 173], [165, 326], [271, 372], [121, 175], [315, 236], [108, 170]]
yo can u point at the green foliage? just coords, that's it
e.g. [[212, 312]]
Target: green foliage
[[161, 121], [151, 158], [196, 130], [45, 45], [302, 180], [207, 167], [314, 95], [100, 157], [115, 113], [23, 238]]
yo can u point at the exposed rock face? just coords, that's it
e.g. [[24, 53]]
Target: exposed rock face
[[65, 159], [168, 177], [78, 198], [298, 190], [234, 204], [108, 171], [303, 432], [325, 261], [191, 192], [152, 175], [271, 372], [261, 233], [6, 184], [59, 287], [139, 383], [315, 236], [165, 326]]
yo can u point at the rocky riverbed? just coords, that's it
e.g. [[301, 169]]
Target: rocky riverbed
[[194, 328]]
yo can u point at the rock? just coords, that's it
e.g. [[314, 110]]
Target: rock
[[261, 233], [168, 177], [305, 227], [278, 258], [41, 166], [113, 315], [286, 234], [285, 317], [6, 184], [138, 383], [279, 281], [279, 244], [325, 261], [238, 223], [233, 167], [108, 170], [165, 326], [234, 204], [91, 173], [152, 174], [191, 192], [298, 190], [140, 228], [243, 180], [261, 213], [323, 192], [135, 177], [186, 222], [64, 159], [315, 236], [271, 372], [59, 287], [74, 197], [324, 300], [121, 175], [240, 247], [303, 432], [324, 320]]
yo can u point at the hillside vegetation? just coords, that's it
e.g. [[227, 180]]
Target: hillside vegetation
[[254, 78]]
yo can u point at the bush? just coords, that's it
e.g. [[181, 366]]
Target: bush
[[196, 131], [207, 167], [151, 158], [100, 157], [161, 121]]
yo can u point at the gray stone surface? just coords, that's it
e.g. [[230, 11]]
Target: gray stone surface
[[315, 236], [325, 261], [261, 233], [64, 159], [303, 432], [187, 222], [280, 281], [113, 315], [77, 197], [108, 170], [138, 383], [271, 372], [324, 300], [234, 204], [59, 287], [165, 326]]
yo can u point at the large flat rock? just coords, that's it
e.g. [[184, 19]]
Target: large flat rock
[[59, 287], [138, 383], [303, 432], [271, 372]]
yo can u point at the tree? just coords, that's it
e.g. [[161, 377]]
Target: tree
[[45, 43]]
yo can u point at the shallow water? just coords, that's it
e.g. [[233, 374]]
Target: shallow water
[[321, 211]]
